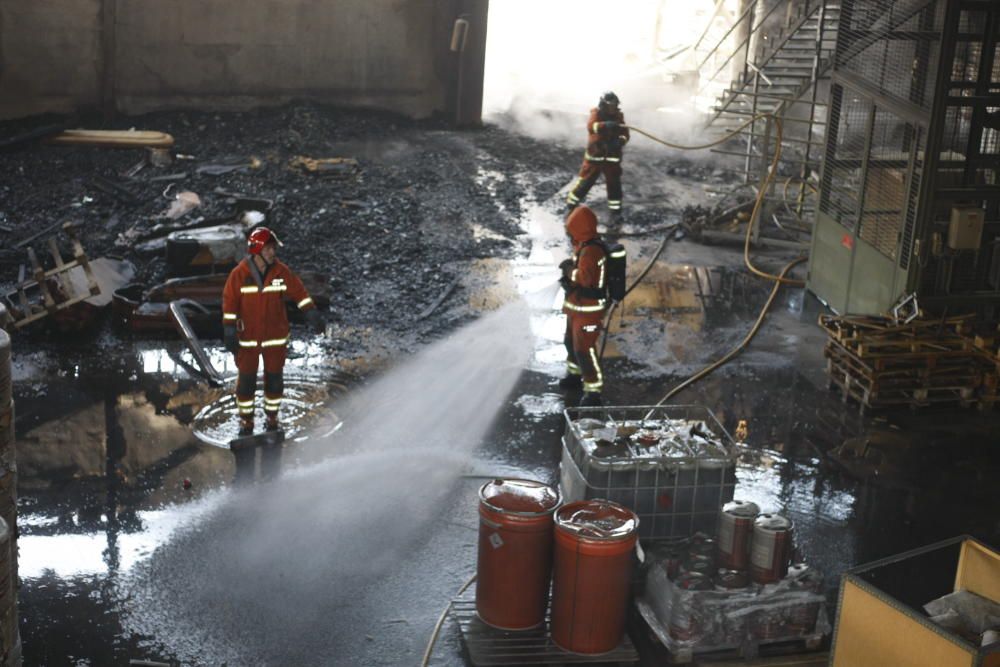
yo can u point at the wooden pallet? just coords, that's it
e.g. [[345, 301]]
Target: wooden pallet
[[950, 372], [880, 363], [488, 646], [849, 327]]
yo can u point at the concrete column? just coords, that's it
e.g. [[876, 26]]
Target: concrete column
[[10, 639], [472, 64], [740, 35]]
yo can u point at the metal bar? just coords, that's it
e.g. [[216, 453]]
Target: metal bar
[[748, 163], [187, 333], [759, 73]]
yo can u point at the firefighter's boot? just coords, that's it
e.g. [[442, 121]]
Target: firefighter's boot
[[591, 399], [246, 425], [272, 421]]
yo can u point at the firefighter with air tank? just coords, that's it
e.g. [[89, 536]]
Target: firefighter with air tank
[[255, 324], [593, 279], [606, 135]]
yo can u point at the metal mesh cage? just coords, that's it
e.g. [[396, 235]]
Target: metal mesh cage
[[914, 141], [886, 192], [892, 44], [845, 156]]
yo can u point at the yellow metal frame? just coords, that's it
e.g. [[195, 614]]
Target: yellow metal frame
[[874, 629]]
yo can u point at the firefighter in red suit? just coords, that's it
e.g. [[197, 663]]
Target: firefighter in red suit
[[606, 135], [584, 279], [255, 323]]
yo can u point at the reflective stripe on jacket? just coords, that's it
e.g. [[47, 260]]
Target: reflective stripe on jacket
[[589, 271], [256, 304]]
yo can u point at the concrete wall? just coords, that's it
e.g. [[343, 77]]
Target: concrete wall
[[49, 55], [224, 54]]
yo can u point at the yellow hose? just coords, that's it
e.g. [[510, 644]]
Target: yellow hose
[[440, 622], [778, 280], [772, 171], [739, 348]]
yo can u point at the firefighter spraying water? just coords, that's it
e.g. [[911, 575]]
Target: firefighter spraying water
[[593, 279]]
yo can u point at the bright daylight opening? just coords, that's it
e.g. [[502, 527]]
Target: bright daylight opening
[[548, 60]]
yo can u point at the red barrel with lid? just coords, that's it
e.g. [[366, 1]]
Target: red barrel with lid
[[515, 552], [591, 575]]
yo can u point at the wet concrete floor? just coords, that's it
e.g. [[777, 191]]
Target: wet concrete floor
[[127, 520]]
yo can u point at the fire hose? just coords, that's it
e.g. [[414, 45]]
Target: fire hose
[[779, 279], [440, 622]]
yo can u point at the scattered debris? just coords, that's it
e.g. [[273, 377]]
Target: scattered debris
[[160, 157], [116, 190], [206, 247], [49, 291], [134, 170], [341, 167], [438, 301], [113, 138], [245, 202], [184, 202], [168, 177], [222, 168]]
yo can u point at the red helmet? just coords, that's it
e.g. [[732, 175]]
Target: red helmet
[[259, 238]]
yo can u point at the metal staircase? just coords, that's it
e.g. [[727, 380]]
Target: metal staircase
[[786, 55]]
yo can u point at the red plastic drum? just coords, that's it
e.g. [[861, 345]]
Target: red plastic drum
[[515, 552], [591, 575]]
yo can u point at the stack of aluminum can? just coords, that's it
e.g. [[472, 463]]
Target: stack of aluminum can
[[722, 592]]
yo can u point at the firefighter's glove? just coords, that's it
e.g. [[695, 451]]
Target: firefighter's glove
[[314, 320], [229, 339], [566, 283], [566, 266]]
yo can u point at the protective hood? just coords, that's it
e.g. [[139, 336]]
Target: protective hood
[[581, 225]]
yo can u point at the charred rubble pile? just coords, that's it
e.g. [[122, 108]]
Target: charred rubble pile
[[381, 211]]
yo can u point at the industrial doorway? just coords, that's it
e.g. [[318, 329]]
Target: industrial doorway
[[548, 62]]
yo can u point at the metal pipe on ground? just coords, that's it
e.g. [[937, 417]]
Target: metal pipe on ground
[[714, 236], [186, 331]]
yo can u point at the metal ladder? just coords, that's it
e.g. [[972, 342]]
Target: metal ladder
[[784, 60]]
